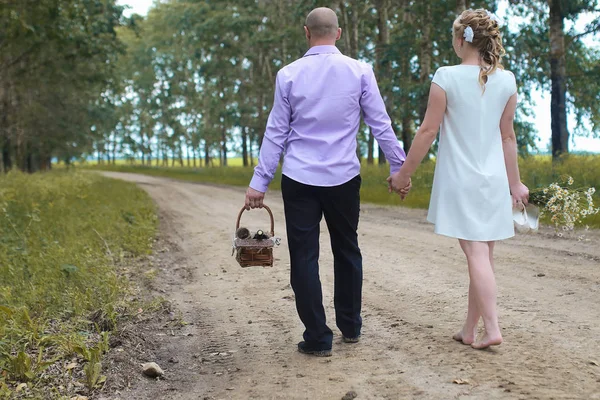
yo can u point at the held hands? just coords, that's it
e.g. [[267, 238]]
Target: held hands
[[254, 199], [520, 195], [400, 184]]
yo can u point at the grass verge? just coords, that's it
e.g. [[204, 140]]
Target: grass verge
[[63, 238]]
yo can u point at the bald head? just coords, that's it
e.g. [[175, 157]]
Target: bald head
[[322, 23]]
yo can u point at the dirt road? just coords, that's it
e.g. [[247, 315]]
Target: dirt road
[[241, 340]]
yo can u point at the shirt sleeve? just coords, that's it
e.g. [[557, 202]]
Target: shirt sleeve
[[276, 135], [376, 116], [439, 78]]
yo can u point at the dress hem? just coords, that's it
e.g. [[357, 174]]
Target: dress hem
[[461, 237]]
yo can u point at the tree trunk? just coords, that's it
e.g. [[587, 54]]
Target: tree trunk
[[405, 74], [283, 12], [48, 163], [261, 117], [384, 66], [461, 5], [250, 152], [224, 145], [346, 31], [245, 146], [114, 152], [206, 154], [354, 34], [352, 43], [558, 72], [5, 142], [407, 133], [6, 157], [29, 163], [381, 160], [425, 61], [180, 153]]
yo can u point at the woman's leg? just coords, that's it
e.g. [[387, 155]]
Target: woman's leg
[[468, 333], [482, 293], [491, 254]]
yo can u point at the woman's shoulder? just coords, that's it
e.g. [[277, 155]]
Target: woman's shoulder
[[442, 76], [456, 70], [507, 79], [448, 69], [505, 74]]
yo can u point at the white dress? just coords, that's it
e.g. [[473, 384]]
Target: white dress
[[470, 198]]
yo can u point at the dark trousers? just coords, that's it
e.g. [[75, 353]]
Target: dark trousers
[[304, 207]]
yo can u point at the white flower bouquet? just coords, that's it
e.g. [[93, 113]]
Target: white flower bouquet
[[565, 205]]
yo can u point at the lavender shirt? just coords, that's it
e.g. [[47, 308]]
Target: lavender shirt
[[315, 119]]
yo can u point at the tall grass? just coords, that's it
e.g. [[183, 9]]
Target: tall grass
[[536, 171], [61, 237]]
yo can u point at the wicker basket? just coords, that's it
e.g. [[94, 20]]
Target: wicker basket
[[255, 252]]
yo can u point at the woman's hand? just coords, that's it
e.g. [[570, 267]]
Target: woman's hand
[[520, 194], [399, 183]]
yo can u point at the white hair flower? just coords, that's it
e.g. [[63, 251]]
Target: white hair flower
[[469, 34]]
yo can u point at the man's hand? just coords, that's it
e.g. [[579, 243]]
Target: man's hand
[[400, 184], [254, 199]]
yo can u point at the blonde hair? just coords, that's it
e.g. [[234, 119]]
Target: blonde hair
[[486, 39]]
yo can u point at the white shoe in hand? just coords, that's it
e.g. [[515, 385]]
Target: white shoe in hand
[[526, 218]]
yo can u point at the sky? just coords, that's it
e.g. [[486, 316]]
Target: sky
[[542, 99], [137, 6]]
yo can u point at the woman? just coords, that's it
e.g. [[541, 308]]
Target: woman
[[476, 171]]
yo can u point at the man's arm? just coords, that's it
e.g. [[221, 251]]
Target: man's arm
[[377, 118], [276, 134]]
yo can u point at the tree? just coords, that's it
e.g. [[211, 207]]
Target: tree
[[572, 66], [56, 61], [196, 80]]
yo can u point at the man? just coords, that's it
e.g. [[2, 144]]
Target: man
[[315, 119]]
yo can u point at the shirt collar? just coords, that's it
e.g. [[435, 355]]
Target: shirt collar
[[322, 50]]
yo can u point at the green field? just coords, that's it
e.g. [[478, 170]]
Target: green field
[[63, 239], [536, 171]]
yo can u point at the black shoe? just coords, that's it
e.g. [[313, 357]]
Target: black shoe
[[307, 349], [354, 339]]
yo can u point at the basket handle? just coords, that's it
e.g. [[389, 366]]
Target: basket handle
[[237, 225]]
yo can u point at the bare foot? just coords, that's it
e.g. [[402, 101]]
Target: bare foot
[[487, 341], [465, 338]]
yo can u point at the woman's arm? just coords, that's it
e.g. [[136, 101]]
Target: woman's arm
[[436, 107], [509, 146]]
